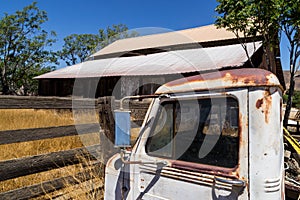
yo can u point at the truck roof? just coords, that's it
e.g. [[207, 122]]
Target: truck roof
[[234, 78]]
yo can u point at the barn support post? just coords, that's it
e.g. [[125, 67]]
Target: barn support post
[[106, 106]]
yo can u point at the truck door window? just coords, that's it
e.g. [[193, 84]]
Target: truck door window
[[163, 132], [202, 131]]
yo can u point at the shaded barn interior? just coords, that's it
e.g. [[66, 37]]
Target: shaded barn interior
[[103, 86], [138, 66]]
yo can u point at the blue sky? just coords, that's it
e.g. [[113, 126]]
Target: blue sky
[[88, 16]]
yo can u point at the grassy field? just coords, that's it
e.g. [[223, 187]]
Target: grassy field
[[14, 119]]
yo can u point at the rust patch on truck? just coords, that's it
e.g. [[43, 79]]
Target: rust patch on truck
[[242, 122], [247, 77], [259, 103], [203, 168], [264, 105]]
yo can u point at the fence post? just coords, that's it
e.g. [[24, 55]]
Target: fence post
[[106, 106]]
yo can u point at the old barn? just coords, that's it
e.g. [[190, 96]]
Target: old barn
[[140, 65]]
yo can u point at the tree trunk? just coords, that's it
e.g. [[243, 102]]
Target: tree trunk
[[5, 86], [289, 101], [4, 82]]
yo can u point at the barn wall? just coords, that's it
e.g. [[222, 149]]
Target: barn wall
[[144, 85], [130, 85], [56, 87], [105, 86], [108, 86]]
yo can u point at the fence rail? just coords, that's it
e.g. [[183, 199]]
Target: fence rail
[[47, 187], [16, 136], [35, 102], [35, 164], [294, 128]]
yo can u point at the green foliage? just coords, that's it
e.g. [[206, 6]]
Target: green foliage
[[112, 34], [295, 99], [78, 47], [250, 17], [23, 50], [285, 98]]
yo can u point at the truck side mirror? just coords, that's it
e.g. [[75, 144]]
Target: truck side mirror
[[122, 128]]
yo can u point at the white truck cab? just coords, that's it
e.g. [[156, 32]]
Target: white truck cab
[[216, 135]]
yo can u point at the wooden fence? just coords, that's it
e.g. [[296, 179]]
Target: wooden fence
[[14, 168], [294, 128]]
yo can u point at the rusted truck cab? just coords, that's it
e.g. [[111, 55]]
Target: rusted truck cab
[[216, 135]]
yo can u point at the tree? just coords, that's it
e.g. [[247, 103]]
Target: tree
[[251, 18], [78, 47], [290, 24], [295, 99], [23, 50], [112, 34], [268, 19]]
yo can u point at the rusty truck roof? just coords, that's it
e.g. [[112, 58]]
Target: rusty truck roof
[[233, 78]]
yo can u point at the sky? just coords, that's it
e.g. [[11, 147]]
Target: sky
[[88, 16]]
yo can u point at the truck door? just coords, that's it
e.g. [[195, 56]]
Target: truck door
[[204, 138]]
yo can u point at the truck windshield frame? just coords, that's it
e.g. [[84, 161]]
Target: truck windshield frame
[[202, 131]]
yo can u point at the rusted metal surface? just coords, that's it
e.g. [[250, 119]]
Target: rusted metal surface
[[173, 62], [264, 105], [233, 78], [209, 169]]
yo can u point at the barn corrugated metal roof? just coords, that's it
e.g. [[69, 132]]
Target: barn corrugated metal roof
[[172, 62], [201, 34]]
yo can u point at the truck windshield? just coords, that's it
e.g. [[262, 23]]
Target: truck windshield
[[201, 131]]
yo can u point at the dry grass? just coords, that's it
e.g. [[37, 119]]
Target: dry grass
[[14, 119], [91, 184], [11, 151], [35, 178]]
